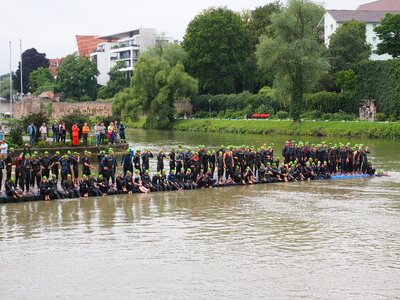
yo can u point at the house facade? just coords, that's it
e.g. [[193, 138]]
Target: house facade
[[125, 47], [333, 19]]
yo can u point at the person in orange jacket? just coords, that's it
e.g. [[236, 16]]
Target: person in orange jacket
[[75, 135], [85, 133]]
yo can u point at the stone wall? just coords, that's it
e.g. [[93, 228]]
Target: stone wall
[[60, 109], [184, 106]]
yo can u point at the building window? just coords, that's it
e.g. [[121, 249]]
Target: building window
[[374, 39], [331, 26]]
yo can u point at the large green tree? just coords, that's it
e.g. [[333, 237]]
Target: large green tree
[[118, 81], [156, 84], [40, 78], [348, 46], [76, 78], [389, 34], [260, 20], [294, 54], [217, 44], [31, 60], [5, 86]]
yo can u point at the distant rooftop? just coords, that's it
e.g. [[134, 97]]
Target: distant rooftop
[[381, 5], [364, 16], [120, 35]]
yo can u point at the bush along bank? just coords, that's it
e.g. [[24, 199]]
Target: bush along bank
[[385, 130]]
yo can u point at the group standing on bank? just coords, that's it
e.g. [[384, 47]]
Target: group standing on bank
[[74, 174], [102, 134]]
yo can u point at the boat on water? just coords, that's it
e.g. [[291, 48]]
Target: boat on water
[[113, 192]]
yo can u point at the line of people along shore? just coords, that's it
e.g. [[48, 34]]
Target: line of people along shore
[[102, 134], [58, 176]]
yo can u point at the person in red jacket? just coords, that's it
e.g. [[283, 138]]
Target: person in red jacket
[[75, 135]]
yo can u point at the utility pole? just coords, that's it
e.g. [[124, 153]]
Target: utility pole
[[20, 54], [11, 89]]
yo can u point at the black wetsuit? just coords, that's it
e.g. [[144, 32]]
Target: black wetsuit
[[8, 162], [46, 162], [127, 164]]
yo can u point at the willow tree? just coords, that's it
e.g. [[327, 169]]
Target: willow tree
[[294, 55], [156, 83]]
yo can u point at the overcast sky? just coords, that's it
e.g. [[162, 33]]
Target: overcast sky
[[50, 26]]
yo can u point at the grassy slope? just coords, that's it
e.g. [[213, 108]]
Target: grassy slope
[[319, 128]]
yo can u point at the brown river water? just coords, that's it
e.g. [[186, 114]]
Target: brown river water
[[311, 240]]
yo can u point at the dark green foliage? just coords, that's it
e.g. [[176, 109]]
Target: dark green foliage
[[40, 78], [76, 117], [156, 83], [16, 132], [260, 20], [327, 102], [281, 115], [118, 81], [348, 46], [31, 60], [294, 54], [217, 44], [380, 117], [380, 80], [37, 119], [45, 88], [77, 78], [244, 103], [389, 34], [346, 80]]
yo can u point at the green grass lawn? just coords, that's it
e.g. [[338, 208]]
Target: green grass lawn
[[307, 128]]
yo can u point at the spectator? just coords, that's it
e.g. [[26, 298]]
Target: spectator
[[56, 132], [75, 135], [85, 133], [32, 131], [110, 132], [63, 131], [97, 129], [43, 132], [102, 133], [122, 132], [2, 135]]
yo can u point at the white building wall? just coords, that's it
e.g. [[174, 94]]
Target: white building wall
[[330, 27], [103, 62]]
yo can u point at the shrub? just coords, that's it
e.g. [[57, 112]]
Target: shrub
[[37, 119], [45, 88], [282, 115], [315, 114], [16, 132], [180, 114], [85, 98], [380, 80], [327, 116], [381, 117]]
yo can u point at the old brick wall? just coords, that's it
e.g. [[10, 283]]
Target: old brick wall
[[60, 109]]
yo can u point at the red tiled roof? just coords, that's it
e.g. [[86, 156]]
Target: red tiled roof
[[87, 44], [381, 5], [364, 16], [54, 63]]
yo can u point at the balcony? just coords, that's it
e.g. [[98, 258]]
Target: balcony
[[125, 45]]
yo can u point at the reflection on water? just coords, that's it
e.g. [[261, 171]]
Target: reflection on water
[[332, 239]]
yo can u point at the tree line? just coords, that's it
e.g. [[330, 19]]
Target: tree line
[[227, 52]]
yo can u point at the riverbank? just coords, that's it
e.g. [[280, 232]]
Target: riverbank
[[307, 128]]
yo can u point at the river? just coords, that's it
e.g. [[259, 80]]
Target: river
[[313, 240]]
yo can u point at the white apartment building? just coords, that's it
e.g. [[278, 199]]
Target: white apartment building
[[333, 19], [126, 48]]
